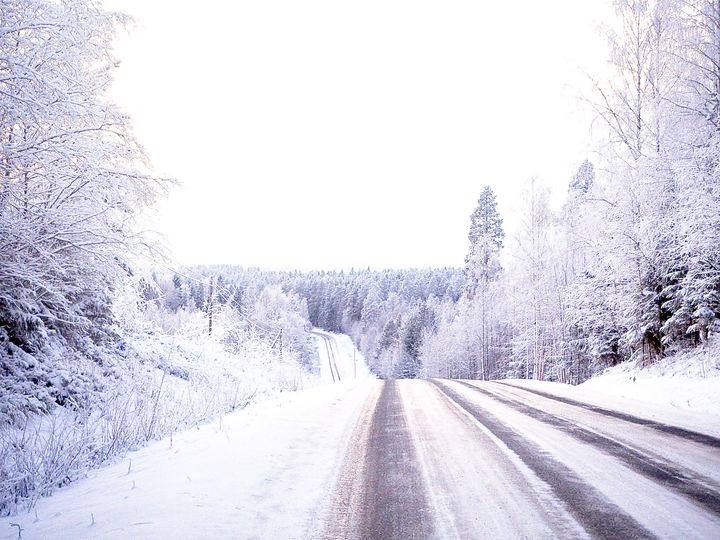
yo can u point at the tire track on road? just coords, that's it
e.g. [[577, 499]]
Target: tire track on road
[[330, 341], [599, 516], [682, 481], [385, 495], [395, 505], [344, 513], [687, 434], [334, 372], [331, 359], [478, 489]]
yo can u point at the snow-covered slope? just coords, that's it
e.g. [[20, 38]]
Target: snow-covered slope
[[685, 381]]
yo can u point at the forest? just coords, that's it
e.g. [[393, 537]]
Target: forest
[[99, 325]]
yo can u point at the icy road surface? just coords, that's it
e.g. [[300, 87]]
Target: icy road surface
[[363, 458], [461, 459]]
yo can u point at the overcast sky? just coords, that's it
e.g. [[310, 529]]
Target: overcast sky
[[337, 134]]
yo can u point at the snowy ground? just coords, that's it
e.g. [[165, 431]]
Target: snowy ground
[[266, 471], [151, 385], [686, 381]]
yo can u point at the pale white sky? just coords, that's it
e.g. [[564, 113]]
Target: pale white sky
[[336, 134]]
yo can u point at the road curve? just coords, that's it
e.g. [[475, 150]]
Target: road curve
[[461, 459], [331, 351]]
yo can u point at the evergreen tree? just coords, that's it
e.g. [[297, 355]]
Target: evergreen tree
[[486, 239], [482, 265], [583, 179], [485, 220]]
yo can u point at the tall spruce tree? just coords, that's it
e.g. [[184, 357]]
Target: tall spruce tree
[[486, 239], [482, 265]]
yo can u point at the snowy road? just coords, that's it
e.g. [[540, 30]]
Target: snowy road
[[328, 349], [404, 459], [451, 459], [339, 360]]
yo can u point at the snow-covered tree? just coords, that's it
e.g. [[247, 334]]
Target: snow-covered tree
[[583, 179], [482, 266], [534, 270], [73, 184], [72, 177], [486, 236]]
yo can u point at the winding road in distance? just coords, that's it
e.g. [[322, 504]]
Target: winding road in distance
[[471, 459], [331, 351]]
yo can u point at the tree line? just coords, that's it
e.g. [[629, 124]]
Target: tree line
[[386, 312]]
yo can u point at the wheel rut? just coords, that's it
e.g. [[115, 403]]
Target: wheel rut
[[600, 517], [683, 433], [669, 475], [386, 494]]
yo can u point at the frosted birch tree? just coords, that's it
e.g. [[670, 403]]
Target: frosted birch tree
[[533, 259]]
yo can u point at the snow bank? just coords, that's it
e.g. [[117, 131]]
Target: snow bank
[[262, 472], [682, 390], [690, 380]]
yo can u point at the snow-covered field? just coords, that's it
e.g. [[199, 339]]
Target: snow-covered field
[[161, 385], [263, 472]]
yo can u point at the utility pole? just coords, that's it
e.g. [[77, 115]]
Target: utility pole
[[211, 305], [279, 340]]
